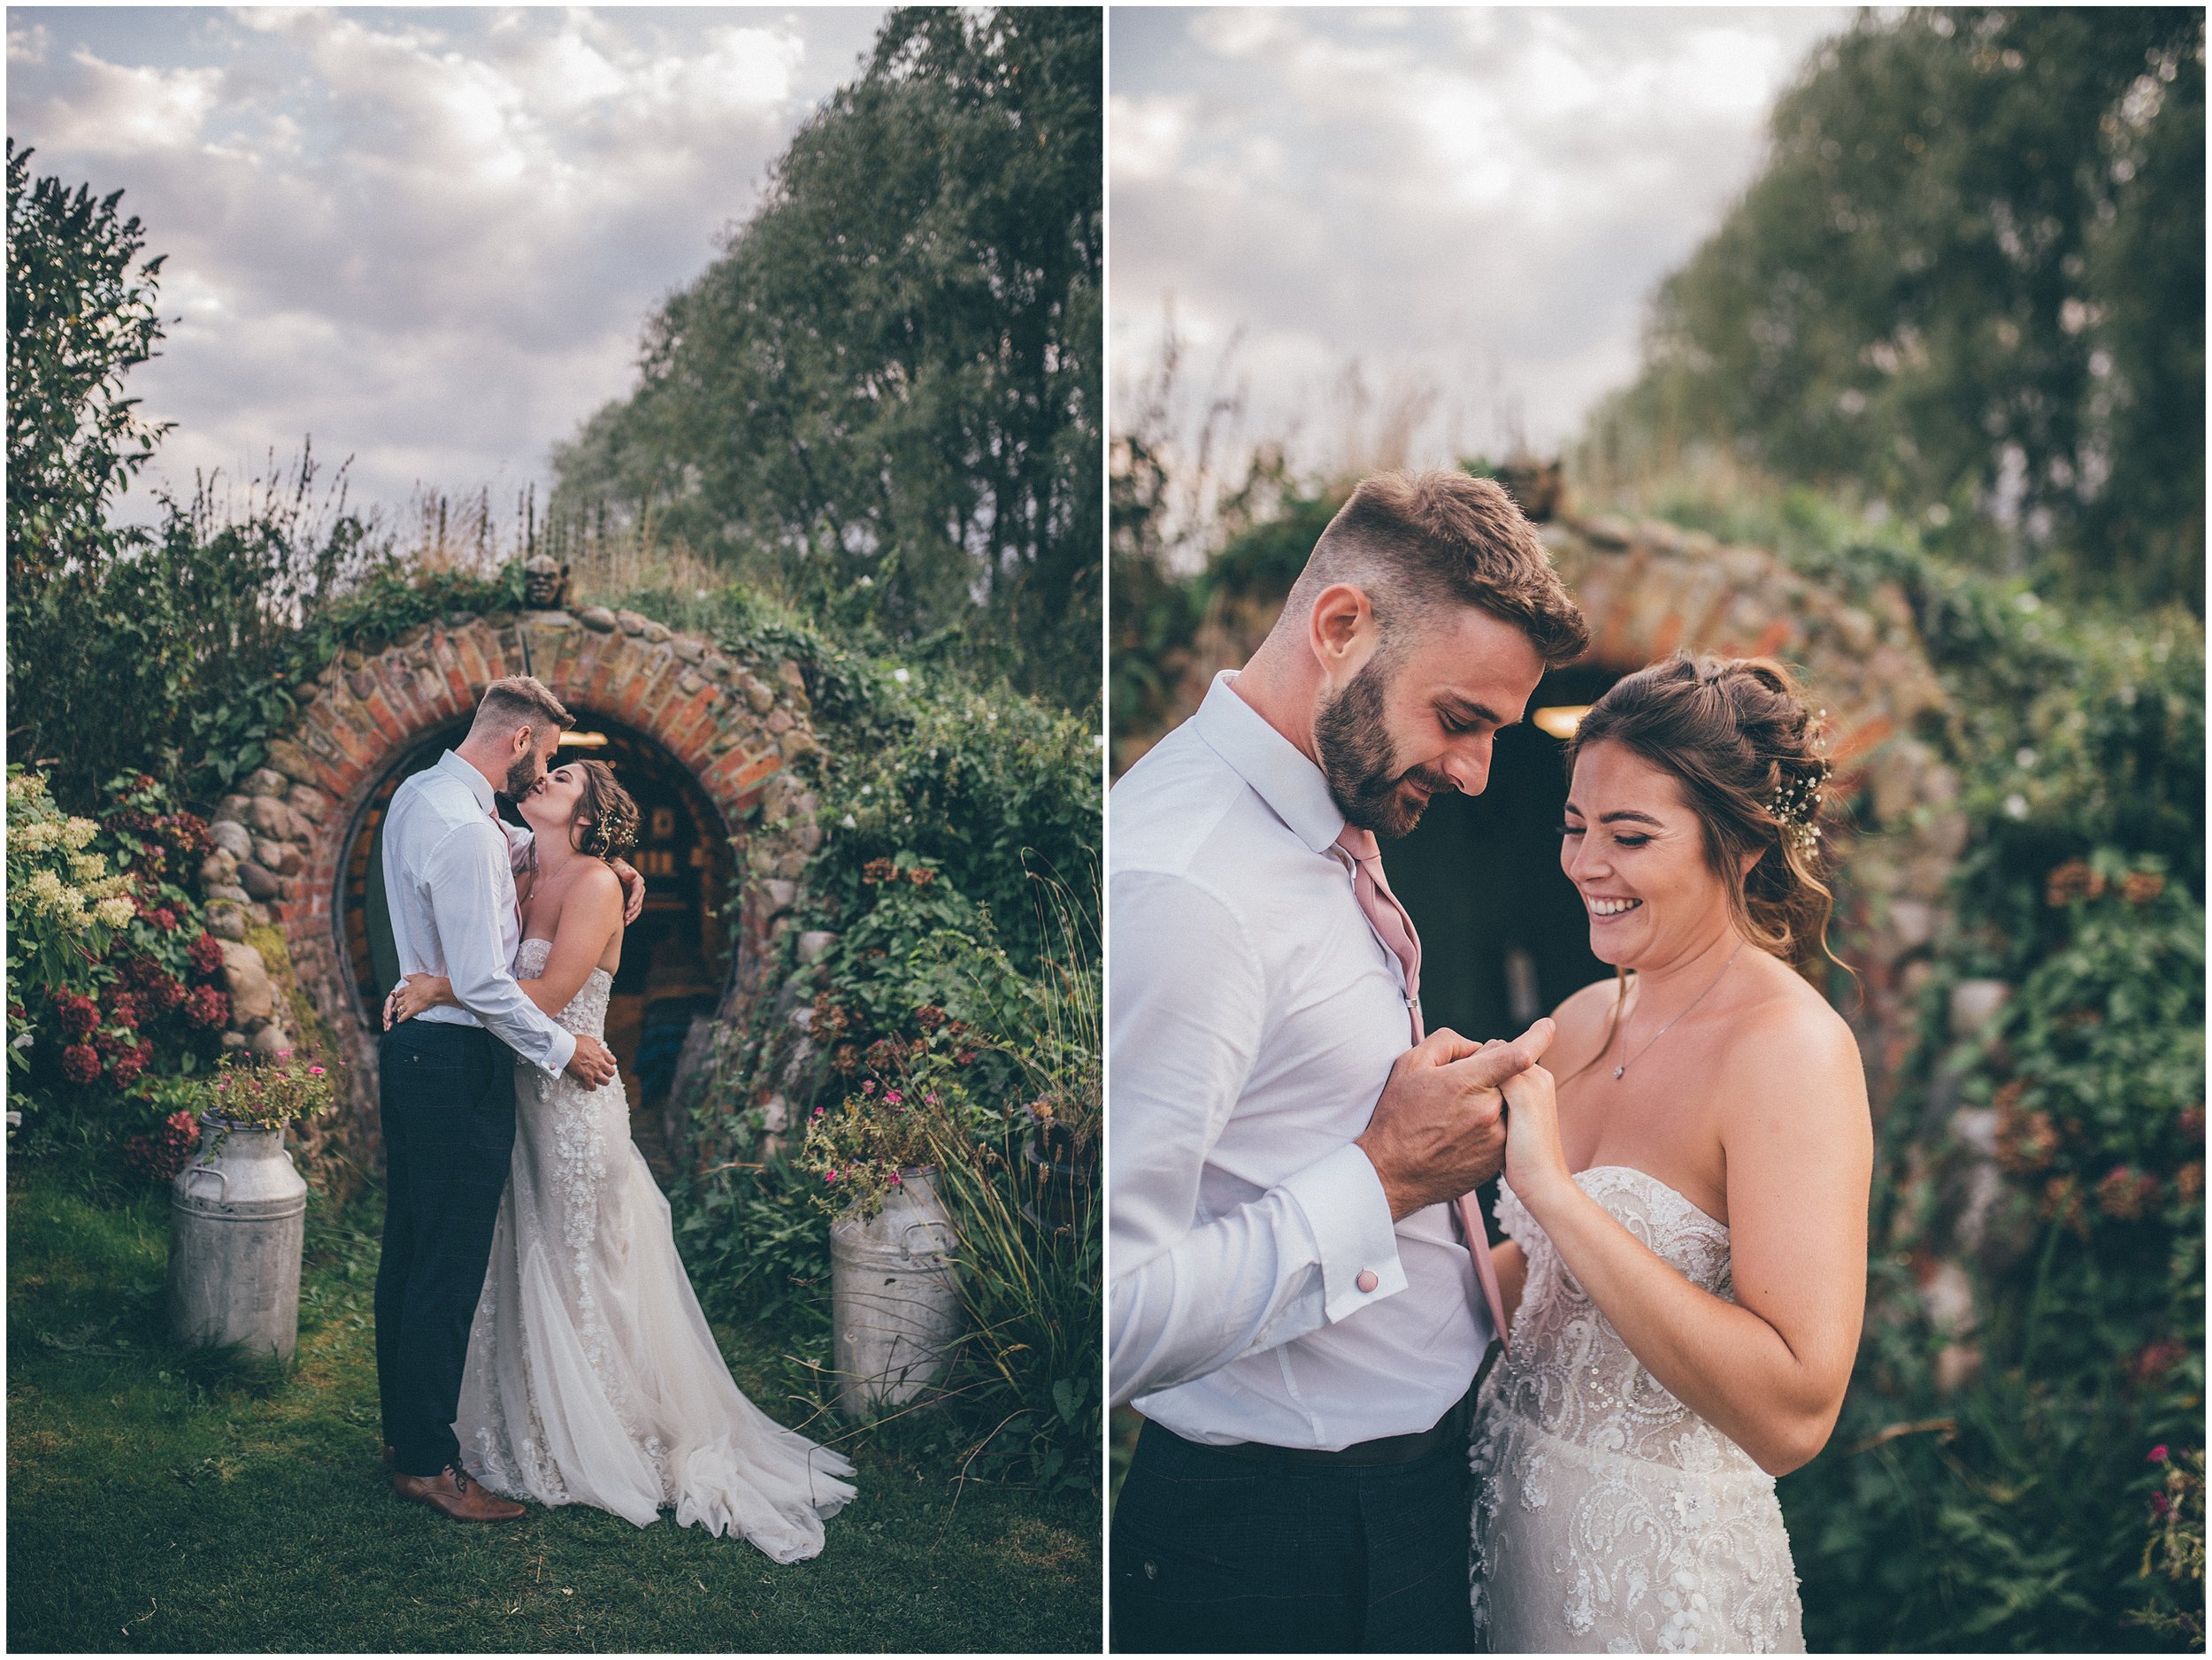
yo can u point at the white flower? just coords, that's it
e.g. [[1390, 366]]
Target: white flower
[[849, 822], [901, 676], [87, 867], [116, 912], [2016, 805], [35, 838], [45, 887], [77, 832]]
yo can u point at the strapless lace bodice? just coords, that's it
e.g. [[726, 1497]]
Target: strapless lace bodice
[[1569, 1371], [1608, 1515], [587, 1010]]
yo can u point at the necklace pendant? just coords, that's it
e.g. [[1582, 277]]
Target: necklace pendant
[[1623, 1067]]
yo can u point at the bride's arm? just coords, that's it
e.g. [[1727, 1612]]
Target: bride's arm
[[1769, 1371], [590, 915]]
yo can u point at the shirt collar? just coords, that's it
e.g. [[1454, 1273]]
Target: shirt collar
[[479, 784], [1277, 771]]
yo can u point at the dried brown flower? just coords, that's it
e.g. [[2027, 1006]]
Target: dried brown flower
[[2189, 1182], [2127, 1193], [2072, 881], [2142, 887]]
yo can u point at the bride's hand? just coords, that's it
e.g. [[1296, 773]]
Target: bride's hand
[[1535, 1158], [420, 992]]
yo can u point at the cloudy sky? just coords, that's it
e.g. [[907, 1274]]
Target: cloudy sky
[[427, 238], [1474, 206]]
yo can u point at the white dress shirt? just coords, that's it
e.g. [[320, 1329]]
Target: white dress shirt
[[450, 884], [1259, 1290]]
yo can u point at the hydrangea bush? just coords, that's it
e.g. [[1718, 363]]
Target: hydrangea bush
[[113, 982]]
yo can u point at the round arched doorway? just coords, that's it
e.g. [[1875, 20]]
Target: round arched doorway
[[708, 735], [675, 956]]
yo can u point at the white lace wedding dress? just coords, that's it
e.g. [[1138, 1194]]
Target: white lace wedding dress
[[591, 1376], [1608, 1517]]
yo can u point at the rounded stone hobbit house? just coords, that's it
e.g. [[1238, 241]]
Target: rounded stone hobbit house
[[704, 741]]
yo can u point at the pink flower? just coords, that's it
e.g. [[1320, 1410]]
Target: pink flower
[[867, 1089], [894, 1178], [2160, 1505], [2158, 1454], [314, 1071], [829, 1176], [931, 1100], [892, 1096]]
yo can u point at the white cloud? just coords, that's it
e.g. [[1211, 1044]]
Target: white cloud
[[1478, 203], [431, 239]]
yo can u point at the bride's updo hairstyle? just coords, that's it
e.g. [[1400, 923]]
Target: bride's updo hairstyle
[[612, 830], [1736, 735]]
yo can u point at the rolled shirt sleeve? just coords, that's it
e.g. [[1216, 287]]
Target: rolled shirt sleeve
[[1186, 1297], [464, 876]]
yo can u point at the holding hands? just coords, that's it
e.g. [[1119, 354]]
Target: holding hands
[[1535, 1158], [1437, 1131]]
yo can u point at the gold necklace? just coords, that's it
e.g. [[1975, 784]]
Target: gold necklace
[[1627, 1059]]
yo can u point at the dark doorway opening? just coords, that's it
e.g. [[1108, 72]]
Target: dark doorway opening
[[1504, 937], [675, 956]]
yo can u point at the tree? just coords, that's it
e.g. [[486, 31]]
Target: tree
[[885, 396], [79, 318], [1969, 281]]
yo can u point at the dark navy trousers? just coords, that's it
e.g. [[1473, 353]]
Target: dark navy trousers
[[447, 1096], [1215, 1553]]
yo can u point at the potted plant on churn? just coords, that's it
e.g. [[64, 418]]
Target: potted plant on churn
[[895, 1308], [238, 1208]]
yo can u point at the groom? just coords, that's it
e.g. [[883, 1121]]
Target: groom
[[446, 1079], [1293, 1305]]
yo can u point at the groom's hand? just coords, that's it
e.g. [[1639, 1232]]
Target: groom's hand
[[632, 889], [591, 1065], [1437, 1132]]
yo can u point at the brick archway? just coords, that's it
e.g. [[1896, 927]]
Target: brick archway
[[737, 731]]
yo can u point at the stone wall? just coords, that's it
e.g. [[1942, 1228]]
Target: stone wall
[[282, 841]]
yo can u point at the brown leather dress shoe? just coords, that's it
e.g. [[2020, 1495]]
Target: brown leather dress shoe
[[451, 1491]]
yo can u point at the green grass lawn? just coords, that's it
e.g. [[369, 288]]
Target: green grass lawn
[[159, 1500]]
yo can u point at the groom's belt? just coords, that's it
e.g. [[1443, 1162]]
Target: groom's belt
[[1450, 1429]]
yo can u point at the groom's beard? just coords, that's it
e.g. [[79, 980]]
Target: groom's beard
[[1361, 764], [523, 773]]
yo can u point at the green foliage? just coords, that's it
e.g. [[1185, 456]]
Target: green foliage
[[884, 399], [1973, 267], [78, 317]]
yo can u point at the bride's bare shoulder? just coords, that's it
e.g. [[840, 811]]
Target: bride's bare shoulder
[[1791, 1046]]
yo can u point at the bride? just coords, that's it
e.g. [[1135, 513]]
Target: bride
[[1687, 1203], [591, 1376]]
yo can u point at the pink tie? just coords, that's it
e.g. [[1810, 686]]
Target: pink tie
[[1395, 928]]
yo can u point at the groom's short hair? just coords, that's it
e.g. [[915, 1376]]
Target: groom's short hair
[[1416, 542], [520, 701]]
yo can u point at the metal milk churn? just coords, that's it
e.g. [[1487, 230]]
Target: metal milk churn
[[237, 1224], [895, 1308]]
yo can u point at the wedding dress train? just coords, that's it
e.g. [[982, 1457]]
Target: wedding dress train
[[591, 1376], [1608, 1517]]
